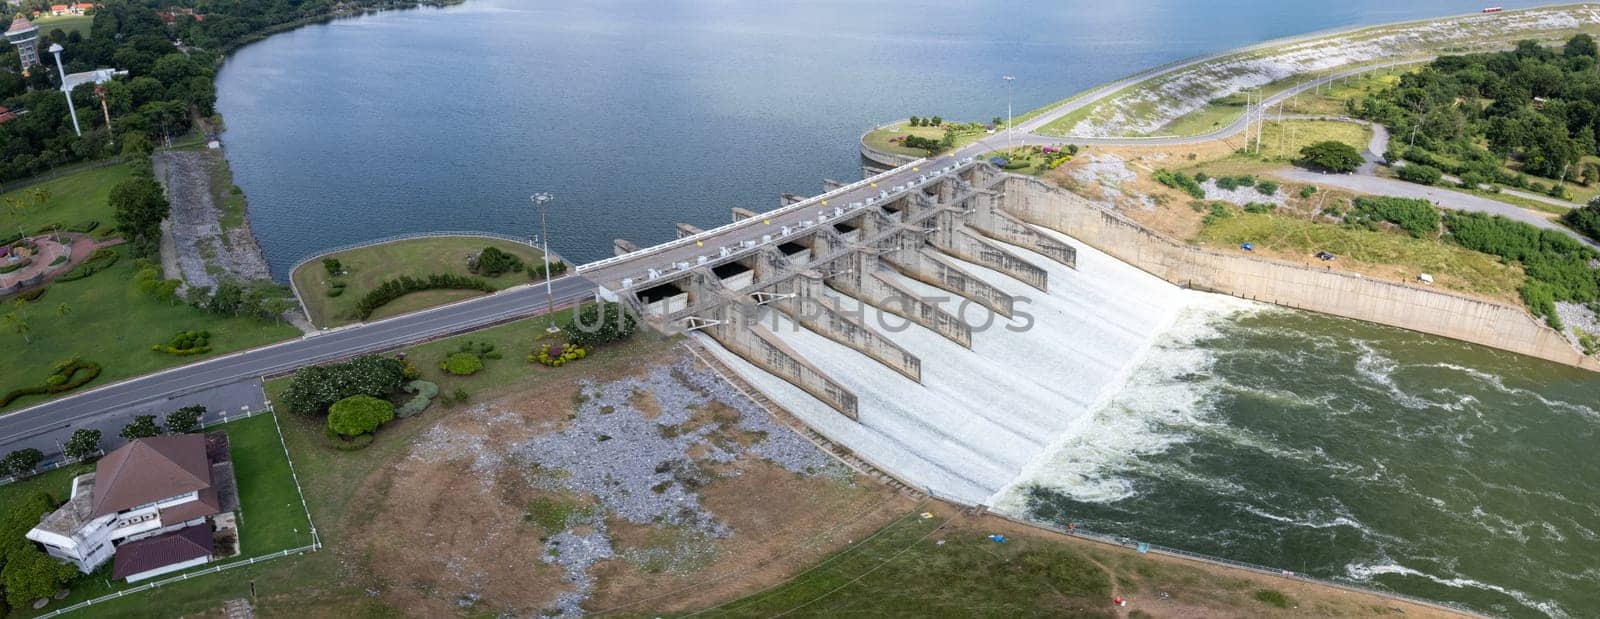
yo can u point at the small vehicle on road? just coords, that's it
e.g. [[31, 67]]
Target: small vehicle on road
[[1324, 256]]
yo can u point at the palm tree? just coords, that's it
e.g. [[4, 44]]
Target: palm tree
[[16, 212], [62, 309]]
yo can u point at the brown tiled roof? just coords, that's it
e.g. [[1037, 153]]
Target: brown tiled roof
[[150, 469], [19, 24], [183, 512], [153, 552]]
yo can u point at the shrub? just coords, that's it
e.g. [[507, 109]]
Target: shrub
[[1557, 266], [494, 263], [1331, 155], [186, 343], [1416, 216], [313, 389], [185, 420], [1260, 207], [1219, 211], [462, 364], [1420, 174], [536, 270], [15, 266], [1308, 191], [58, 260], [1182, 182], [1267, 187], [423, 393], [405, 284], [461, 394], [1585, 219], [359, 414], [558, 355], [336, 290], [1272, 598], [599, 323], [332, 266], [142, 426], [75, 374], [21, 462]]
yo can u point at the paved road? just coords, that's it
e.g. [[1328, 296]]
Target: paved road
[[111, 405]]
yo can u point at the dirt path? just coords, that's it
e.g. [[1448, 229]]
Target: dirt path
[[196, 247]]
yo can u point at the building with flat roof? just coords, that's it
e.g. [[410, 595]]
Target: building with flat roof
[[151, 506]]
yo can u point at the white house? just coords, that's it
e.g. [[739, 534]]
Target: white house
[[150, 505]]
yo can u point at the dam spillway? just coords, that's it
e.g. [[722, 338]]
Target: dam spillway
[[982, 416]]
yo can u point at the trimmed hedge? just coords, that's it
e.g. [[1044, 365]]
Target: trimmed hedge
[[536, 270], [84, 227], [73, 374], [15, 266], [462, 364], [186, 343], [423, 394], [98, 261], [405, 284]]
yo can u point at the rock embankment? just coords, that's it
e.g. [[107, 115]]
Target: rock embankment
[[198, 244]]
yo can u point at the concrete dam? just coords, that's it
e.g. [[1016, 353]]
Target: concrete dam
[[955, 325]]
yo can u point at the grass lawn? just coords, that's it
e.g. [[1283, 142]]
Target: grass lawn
[[108, 320], [879, 139], [74, 199], [367, 267], [1452, 267], [269, 513], [67, 23]]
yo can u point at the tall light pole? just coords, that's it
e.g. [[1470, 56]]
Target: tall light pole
[[540, 199], [55, 48], [1009, 147]]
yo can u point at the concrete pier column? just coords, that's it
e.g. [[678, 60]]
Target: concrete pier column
[[957, 241], [863, 277], [741, 214], [623, 246], [990, 220], [785, 199], [806, 302], [688, 230], [910, 255], [829, 184]]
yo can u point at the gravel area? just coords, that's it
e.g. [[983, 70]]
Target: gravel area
[[1242, 195], [641, 469]]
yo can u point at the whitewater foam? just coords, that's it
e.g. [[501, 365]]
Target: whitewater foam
[[1362, 572]]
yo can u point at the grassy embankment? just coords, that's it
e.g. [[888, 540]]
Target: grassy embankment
[[271, 519], [1306, 223], [107, 320], [369, 266], [879, 139]]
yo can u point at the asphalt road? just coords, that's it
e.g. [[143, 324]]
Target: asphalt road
[[112, 405]]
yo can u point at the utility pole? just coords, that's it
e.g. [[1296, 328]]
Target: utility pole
[[1010, 148], [540, 199], [1281, 129], [1261, 114]]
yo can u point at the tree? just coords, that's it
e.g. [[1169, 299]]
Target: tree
[[1580, 45], [598, 323], [332, 266], [1332, 156], [357, 415], [185, 420], [313, 389], [21, 462], [142, 426], [998, 121], [30, 575], [936, 122], [140, 206], [84, 444], [916, 122], [18, 323]]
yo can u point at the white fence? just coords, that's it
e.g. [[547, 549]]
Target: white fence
[[180, 578]]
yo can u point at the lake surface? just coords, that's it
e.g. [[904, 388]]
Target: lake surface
[[639, 115], [1329, 447]]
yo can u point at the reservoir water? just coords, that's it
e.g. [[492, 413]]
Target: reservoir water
[[1325, 446]]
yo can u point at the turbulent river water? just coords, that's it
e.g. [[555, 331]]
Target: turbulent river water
[[1324, 446]]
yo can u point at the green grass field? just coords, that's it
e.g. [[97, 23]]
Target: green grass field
[[66, 23], [370, 266], [269, 514], [1452, 266], [107, 319]]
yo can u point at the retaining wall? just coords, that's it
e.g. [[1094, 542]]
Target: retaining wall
[[1406, 305]]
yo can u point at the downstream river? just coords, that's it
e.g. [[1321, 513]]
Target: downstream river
[[1323, 446]]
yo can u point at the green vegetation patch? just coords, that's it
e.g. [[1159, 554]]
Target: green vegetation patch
[[333, 296], [1558, 267]]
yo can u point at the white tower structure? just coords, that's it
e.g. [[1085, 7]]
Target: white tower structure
[[25, 36]]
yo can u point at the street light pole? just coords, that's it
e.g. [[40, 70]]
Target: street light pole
[[540, 199], [55, 48], [1010, 148]]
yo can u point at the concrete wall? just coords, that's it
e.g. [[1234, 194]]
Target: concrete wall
[[1409, 306]]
